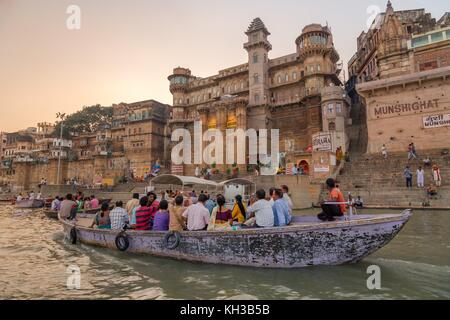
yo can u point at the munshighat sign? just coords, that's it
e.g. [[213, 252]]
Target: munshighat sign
[[436, 121], [405, 108]]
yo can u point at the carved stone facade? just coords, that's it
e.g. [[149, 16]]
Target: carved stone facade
[[404, 81], [282, 93]]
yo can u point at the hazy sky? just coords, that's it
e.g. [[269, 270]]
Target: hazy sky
[[125, 50]]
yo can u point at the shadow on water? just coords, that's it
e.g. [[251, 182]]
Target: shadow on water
[[414, 265]]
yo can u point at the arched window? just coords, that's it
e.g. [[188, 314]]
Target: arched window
[[294, 75], [256, 98], [286, 77], [279, 79], [255, 57]]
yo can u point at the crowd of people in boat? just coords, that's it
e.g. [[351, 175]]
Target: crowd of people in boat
[[28, 196], [175, 211]]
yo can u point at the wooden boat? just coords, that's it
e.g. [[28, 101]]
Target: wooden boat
[[30, 204], [306, 242], [52, 214]]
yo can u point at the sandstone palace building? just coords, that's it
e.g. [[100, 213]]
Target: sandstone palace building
[[401, 76], [285, 93]]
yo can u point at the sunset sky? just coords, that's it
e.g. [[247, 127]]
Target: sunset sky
[[126, 49]]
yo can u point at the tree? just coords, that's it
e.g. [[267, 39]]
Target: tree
[[85, 121]]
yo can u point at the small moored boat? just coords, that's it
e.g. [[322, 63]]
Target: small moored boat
[[52, 214], [30, 203], [306, 242]]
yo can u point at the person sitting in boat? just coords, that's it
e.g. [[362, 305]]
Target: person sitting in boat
[[359, 203], [176, 220], [119, 217], [39, 196], [56, 204], [281, 211], [239, 210], [80, 205], [145, 214], [153, 204], [197, 215], [66, 207], [162, 217], [260, 211], [31, 195], [19, 197], [210, 204], [287, 198], [329, 211], [133, 203], [102, 219], [87, 204], [94, 202], [221, 217]]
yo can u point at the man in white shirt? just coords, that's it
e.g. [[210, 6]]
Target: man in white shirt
[[286, 197], [261, 211], [197, 215]]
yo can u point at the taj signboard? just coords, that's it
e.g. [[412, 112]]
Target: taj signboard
[[322, 142], [436, 121]]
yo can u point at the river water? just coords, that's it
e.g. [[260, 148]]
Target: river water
[[34, 257]]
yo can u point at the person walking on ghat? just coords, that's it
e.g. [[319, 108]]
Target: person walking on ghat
[[420, 178], [411, 152], [437, 176], [384, 151], [408, 175]]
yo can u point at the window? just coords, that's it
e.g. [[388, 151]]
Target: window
[[417, 42], [448, 33], [256, 98], [255, 37], [318, 67], [330, 108], [286, 77], [255, 57], [279, 79], [256, 78], [332, 126], [338, 108], [438, 36], [294, 75]]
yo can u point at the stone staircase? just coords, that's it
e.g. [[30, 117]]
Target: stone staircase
[[380, 182]]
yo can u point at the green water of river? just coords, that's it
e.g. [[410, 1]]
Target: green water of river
[[34, 257]]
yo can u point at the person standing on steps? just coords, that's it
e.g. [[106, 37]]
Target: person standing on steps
[[420, 178], [408, 175], [437, 175]]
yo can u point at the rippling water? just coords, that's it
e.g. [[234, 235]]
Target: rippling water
[[34, 257]]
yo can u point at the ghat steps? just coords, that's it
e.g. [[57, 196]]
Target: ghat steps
[[380, 182]]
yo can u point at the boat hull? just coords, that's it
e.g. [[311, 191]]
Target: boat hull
[[296, 246], [30, 204]]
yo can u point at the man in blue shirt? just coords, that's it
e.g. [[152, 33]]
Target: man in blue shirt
[[210, 204], [280, 209]]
